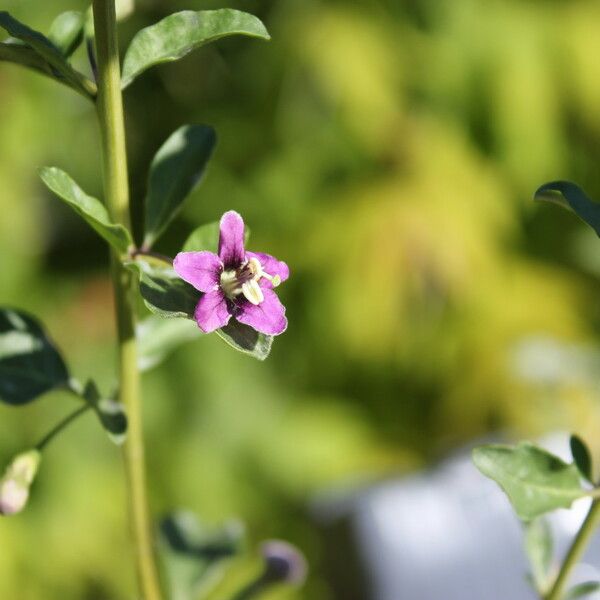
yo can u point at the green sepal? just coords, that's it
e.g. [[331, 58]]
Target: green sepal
[[535, 481], [180, 33], [30, 364]]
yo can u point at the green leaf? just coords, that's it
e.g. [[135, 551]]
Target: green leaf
[[164, 293], [110, 413], [206, 237], [534, 480], [245, 339], [30, 365], [570, 196], [582, 457], [582, 589], [62, 70], [66, 32], [91, 209], [176, 169], [193, 554], [181, 33], [158, 337], [539, 548], [25, 56]]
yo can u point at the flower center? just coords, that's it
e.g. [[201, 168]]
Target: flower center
[[244, 280]]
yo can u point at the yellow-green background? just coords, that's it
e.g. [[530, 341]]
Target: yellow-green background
[[388, 151]]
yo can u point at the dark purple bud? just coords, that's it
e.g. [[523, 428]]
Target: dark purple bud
[[283, 563]]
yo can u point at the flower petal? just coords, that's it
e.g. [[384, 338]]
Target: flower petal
[[267, 317], [200, 269], [211, 311], [270, 265], [231, 239]]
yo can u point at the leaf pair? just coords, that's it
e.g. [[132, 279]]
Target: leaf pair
[[31, 366], [176, 169], [47, 55]]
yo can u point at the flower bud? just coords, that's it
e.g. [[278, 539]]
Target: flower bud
[[283, 563], [18, 477]]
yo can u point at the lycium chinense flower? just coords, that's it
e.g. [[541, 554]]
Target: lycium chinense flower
[[235, 283]]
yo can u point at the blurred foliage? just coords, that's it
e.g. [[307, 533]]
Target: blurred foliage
[[387, 150]]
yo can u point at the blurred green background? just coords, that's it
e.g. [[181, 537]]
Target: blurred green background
[[388, 151]]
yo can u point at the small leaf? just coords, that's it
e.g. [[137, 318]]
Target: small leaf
[[194, 554], [164, 293], [245, 339], [582, 589], [181, 33], [539, 548], [110, 413], [91, 209], [25, 56], [66, 32], [570, 196], [534, 480], [206, 237], [50, 53], [158, 337], [581, 456], [30, 365], [176, 169]]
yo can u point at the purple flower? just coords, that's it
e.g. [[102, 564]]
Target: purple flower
[[235, 283]]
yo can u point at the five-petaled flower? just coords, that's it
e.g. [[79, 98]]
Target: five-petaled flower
[[235, 283]]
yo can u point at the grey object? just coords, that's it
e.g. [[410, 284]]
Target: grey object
[[448, 533]]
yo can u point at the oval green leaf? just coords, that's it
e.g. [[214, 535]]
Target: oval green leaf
[[91, 209], [534, 480], [176, 169], [245, 339], [157, 338], [179, 34], [582, 457], [62, 70], [582, 589], [570, 196], [66, 32], [30, 365], [193, 554], [163, 292]]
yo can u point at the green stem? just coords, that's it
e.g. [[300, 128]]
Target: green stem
[[61, 425], [575, 552], [116, 191]]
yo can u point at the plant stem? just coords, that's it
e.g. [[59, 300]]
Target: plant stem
[[116, 191], [61, 425], [575, 552]]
